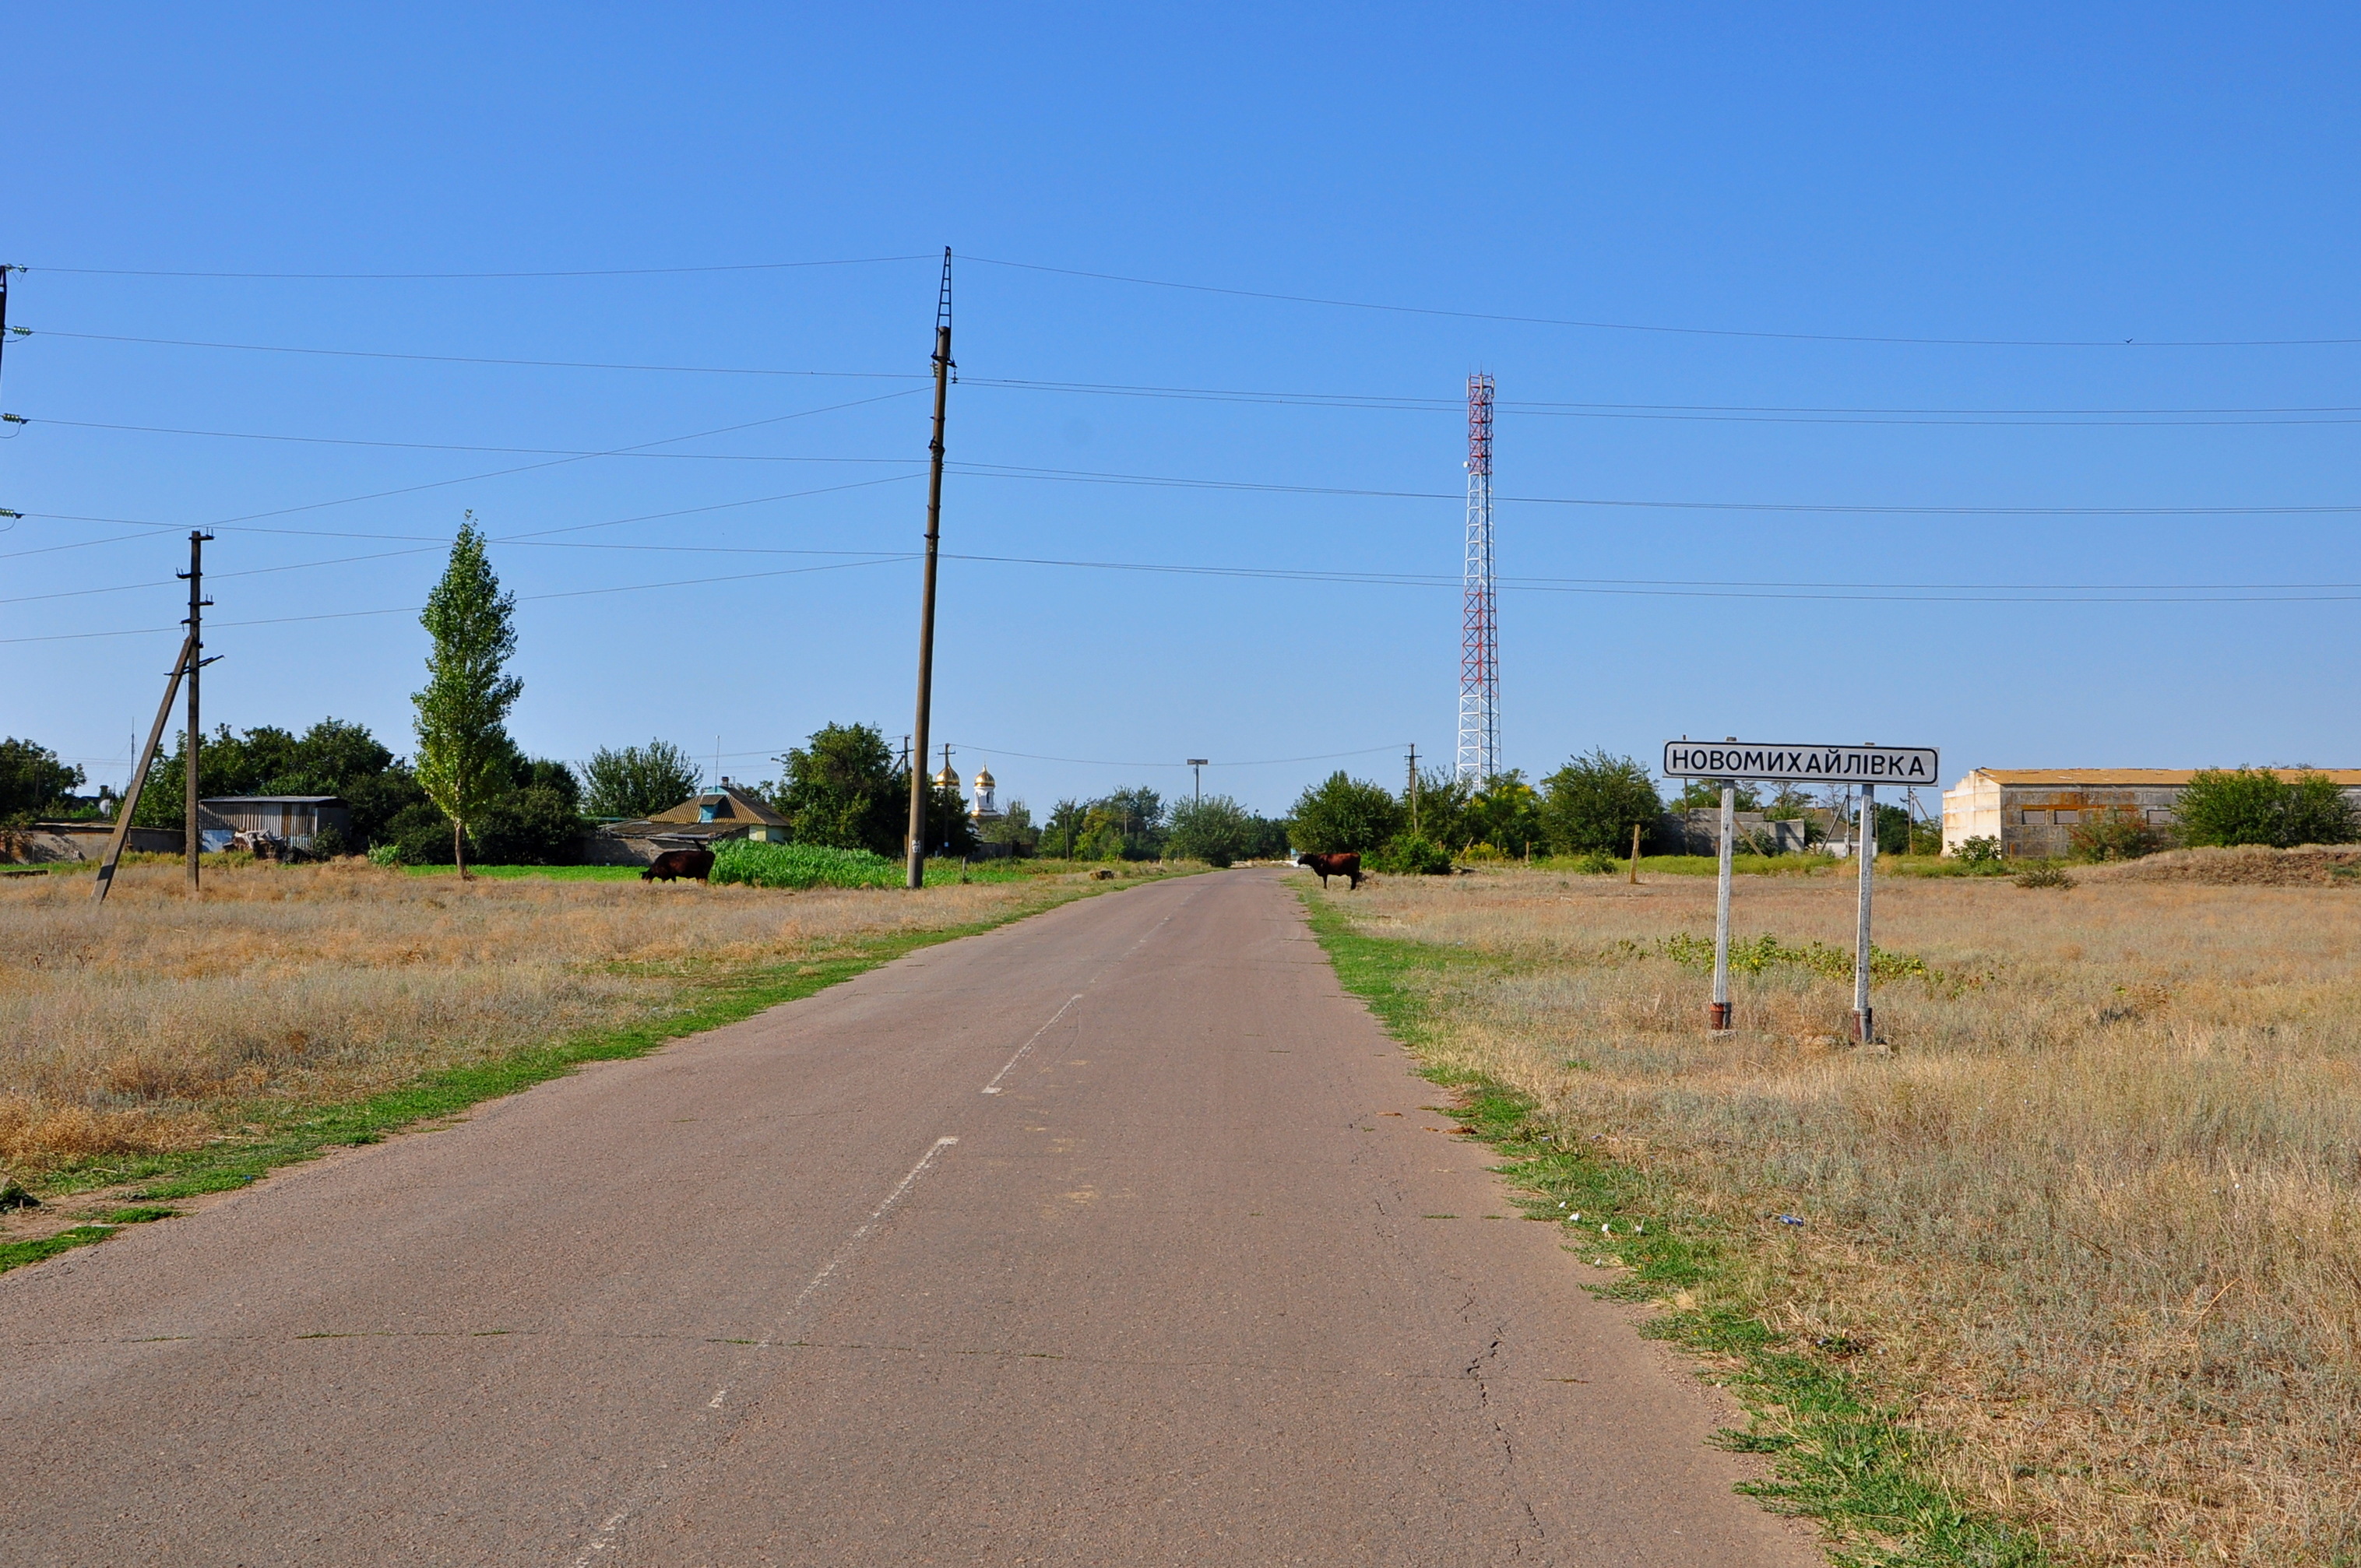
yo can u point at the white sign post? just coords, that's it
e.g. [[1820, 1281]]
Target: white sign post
[[1867, 766]]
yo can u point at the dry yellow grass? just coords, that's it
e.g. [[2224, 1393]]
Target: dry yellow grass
[[148, 1022], [2098, 1212]]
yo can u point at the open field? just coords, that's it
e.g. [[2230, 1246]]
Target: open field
[[2091, 1224], [155, 1023]]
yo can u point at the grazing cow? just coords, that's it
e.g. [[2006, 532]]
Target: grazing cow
[[1333, 865], [697, 863]]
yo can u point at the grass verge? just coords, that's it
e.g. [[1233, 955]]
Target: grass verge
[[291, 1134], [1838, 1454]]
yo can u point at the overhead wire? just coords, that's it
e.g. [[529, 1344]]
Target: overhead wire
[[2003, 418], [412, 609], [1602, 325], [466, 277]]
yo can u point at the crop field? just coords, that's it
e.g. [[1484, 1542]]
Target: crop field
[[2089, 1223], [156, 1024]]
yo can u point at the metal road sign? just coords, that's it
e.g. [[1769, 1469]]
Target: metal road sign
[[1800, 765]]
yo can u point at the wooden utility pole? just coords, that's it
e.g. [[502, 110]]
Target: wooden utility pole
[[196, 660], [917, 868], [130, 801], [1635, 854]]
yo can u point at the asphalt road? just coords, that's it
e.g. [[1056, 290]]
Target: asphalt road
[[1117, 1236]]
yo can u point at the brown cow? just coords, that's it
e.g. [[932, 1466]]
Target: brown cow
[[697, 863], [1333, 865]]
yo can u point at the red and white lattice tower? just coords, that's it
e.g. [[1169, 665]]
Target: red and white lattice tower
[[1479, 631]]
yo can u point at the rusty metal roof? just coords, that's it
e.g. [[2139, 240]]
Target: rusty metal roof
[[2102, 777]]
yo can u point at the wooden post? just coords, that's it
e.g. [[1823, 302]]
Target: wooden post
[[1635, 854]]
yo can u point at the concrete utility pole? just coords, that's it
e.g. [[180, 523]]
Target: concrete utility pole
[[917, 868], [130, 801], [1413, 786], [1864, 1026], [197, 602], [1196, 765], [1718, 1018]]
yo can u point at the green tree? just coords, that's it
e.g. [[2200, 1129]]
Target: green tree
[[1440, 812], [463, 741], [843, 790], [1216, 830], [2256, 805], [1593, 802], [1344, 815], [1015, 826], [640, 781], [32, 780], [1507, 815], [1062, 834], [1698, 794], [950, 831]]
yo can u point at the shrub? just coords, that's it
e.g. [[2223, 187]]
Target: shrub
[[2116, 833], [1982, 850], [802, 865], [387, 854], [2045, 876], [329, 842], [1344, 815], [535, 827], [1594, 802], [2224, 807], [1411, 854], [1597, 863]]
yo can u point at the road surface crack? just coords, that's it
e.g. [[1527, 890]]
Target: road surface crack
[[1476, 1372]]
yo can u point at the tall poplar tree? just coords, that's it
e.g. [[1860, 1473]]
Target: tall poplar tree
[[463, 740]]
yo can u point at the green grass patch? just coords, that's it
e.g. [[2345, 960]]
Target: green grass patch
[[16, 1254], [544, 873], [291, 1134], [1706, 865], [1838, 1454], [788, 866]]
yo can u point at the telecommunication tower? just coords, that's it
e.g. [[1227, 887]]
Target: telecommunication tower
[[1479, 630]]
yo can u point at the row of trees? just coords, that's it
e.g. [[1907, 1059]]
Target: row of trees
[[1588, 807], [33, 782]]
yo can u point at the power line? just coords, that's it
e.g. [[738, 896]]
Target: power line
[[1375, 402], [1081, 475], [157, 529], [449, 446], [1676, 330], [449, 277], [2069, 419], [475, 359], [502, 472], [412, 609], [1104, 763]]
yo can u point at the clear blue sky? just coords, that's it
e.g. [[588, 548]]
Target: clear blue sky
[[2085, 176]]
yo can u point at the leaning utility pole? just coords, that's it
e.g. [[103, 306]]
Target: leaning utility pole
[[130, 801], [917, 868], [197, 602]]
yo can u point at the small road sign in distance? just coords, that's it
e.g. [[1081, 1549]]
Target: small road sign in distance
[[1800, 765]]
